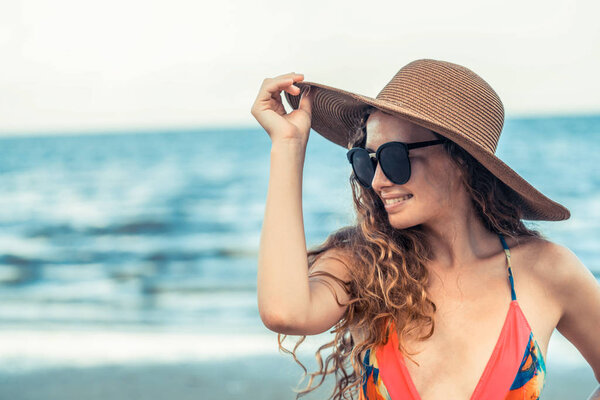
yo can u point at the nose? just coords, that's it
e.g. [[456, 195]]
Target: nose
[[380, 180]]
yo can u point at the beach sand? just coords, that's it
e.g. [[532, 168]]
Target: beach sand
[[251, 377]]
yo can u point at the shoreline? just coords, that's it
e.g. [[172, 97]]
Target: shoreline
[[125, 363]]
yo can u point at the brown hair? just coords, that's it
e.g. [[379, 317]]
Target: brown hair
[[387, 269]]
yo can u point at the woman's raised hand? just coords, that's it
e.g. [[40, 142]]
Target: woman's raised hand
[[271, 115]]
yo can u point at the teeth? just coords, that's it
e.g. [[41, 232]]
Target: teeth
[[396, 200]]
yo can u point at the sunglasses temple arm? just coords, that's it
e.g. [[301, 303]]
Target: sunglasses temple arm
[[424, 144]]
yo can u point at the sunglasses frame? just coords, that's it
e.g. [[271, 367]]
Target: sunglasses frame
[[375, 155]]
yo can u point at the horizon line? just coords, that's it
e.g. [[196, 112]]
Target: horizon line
[[174, 128]]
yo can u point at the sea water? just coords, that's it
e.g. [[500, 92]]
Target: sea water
[[158, 232]]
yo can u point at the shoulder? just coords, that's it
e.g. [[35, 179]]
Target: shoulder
[[548, 268], [564, 275], [557, 266]]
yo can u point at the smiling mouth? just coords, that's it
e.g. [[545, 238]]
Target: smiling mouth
[[389, 202], [393, 205]]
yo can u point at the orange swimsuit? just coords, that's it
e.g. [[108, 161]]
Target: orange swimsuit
[[515, 370]]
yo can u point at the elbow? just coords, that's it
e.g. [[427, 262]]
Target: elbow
[[279, 322], [273, 322]]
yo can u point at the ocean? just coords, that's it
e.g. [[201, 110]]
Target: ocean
[[159, 231]]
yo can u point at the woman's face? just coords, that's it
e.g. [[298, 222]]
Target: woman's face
[[434, 181]]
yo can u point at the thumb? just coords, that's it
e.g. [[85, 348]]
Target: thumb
[[306, 101]]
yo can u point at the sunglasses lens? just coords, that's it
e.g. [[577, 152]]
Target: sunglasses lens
[[395, 164], [363, 167]]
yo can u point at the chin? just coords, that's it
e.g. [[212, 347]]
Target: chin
[[397, 222]]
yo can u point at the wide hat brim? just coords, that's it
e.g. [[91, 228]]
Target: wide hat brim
[[337, 113]]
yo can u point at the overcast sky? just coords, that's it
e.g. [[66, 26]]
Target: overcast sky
[[79, 66]]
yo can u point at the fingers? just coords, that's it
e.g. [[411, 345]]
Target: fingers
[[289, 75], [269, 94], [284, 82], [270, 91]]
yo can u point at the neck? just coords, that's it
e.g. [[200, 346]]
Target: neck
[[459, 241]]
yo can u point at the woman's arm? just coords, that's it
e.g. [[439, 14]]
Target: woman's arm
[[578, 292], [288, 301], [283, 290]]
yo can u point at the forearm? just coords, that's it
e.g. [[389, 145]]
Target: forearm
[[283, 288], [595, 394]]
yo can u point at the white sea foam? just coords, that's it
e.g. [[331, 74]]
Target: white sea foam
[[26, 350], [23, 350]]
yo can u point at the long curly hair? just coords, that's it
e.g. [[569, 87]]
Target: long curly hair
[[387, 269]]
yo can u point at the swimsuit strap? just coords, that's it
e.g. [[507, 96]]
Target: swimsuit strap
[[510, 275]]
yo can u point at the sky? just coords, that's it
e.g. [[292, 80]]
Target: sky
[[82, 66]]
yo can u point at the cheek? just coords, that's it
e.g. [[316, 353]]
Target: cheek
[[434, 182]]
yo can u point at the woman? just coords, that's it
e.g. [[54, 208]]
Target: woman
[[439, 242]]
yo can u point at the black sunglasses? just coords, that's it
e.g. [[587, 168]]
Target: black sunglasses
[[393, 157]]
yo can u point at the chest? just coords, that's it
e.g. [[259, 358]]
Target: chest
[[468, 322]]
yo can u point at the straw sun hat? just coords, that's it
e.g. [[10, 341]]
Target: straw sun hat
[[444, 97]]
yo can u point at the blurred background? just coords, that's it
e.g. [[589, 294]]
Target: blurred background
[[133, 177]]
